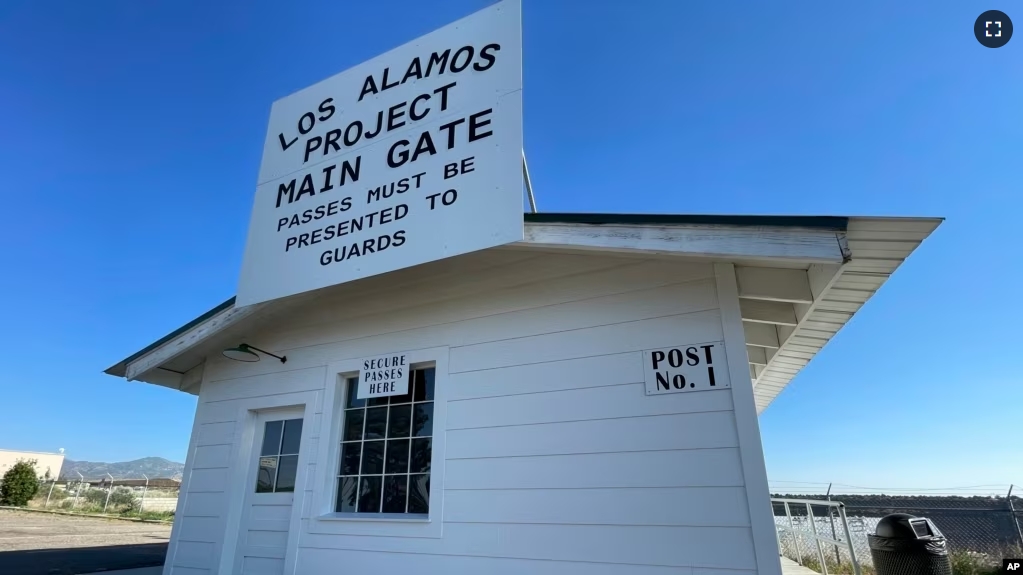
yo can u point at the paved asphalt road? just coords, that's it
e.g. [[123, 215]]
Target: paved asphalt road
[[43, 544]]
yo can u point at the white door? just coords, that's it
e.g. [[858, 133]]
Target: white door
[[269, 494]]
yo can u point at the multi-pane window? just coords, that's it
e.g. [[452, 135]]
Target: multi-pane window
[[386, 446], [278, 457]]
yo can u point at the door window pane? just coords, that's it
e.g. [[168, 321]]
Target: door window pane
[[266, 474], [272, 438], [287, 469], [274, 472], [292, 436]]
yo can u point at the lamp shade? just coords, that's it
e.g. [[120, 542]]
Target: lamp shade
[[241, 353]]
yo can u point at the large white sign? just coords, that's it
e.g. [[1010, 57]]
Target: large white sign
[[383, 376], [685, 368], [408, 158]]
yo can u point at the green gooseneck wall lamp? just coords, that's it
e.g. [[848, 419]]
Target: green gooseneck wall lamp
[[246, 352]]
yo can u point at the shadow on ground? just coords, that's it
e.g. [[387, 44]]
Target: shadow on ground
[[73, 561]]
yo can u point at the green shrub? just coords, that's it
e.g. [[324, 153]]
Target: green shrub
[[96, 496], [124, 497], [19, 484]]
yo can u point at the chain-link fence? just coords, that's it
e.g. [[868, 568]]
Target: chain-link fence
[[981, 529], [155, 498]]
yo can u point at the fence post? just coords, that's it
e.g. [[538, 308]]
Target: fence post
[[1015, 519], [831, 516], [848, 539], [47, 504], [142, 503], [78, 492], [109, 489], [816, 538], [792, 532]]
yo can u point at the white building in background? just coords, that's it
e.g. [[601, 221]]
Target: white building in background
[[45, 462]]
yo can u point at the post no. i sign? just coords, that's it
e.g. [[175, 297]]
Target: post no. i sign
[[686, 368]]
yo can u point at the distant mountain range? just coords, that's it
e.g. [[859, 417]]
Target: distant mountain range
[[154, 467]]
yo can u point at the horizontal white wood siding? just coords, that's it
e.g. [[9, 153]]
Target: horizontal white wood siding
[[556, 459]]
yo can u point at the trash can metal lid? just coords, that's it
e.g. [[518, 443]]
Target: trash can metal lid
[[906, 526]]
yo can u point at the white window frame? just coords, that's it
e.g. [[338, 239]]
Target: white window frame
[[324, 520]]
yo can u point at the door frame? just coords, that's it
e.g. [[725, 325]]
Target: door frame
[[311, 404]]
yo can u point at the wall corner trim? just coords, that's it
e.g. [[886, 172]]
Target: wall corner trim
[[751, 450]]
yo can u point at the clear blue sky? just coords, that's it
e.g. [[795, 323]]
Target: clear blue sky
[[132, 132]]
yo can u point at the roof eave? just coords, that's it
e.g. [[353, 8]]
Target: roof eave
[[760, 239]]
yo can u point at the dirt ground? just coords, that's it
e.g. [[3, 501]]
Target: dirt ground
[[21, 530], [45, 544]]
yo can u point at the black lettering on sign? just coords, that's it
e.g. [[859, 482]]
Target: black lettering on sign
[[437, 63], [327, 108], [440, 60], [475, 123], [487, 54], [682, 368], [706, 351], [285, 145], [466, 51], [380, 126], [451, 170], [662, 380], [305, 124], [357, 249], [349, 172], [447, 198]]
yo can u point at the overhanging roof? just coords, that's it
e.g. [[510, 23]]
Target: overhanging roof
[[801, 278]]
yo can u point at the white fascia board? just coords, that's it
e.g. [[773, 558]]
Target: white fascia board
[[721, 242], [189, 339]]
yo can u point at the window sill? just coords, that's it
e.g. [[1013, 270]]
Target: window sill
[[375, 518]]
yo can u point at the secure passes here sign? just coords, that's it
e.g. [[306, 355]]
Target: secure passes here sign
[[408, 158]]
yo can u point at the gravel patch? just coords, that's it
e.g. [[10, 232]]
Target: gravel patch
[[20, 530]]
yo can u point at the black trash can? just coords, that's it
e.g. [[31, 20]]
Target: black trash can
[[908, 545]]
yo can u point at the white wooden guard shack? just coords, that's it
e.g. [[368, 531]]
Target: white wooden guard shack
[[433, 383], [534, 445]]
